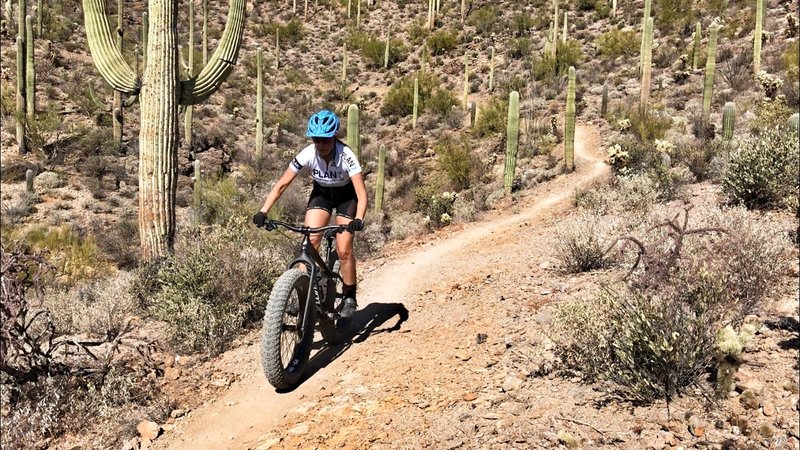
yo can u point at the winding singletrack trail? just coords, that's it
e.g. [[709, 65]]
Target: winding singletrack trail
[[251, 408]]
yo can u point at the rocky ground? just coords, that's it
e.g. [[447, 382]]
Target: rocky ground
[[451, 350]]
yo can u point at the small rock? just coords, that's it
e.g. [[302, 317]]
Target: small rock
[[657, 443], [470, 396], [736, 431], [481, 338], [299, 429], [748, 381], [567, 439], [148, 430], [768, 409], [131, 444], [177, 413], [511, 383], [172, 373]]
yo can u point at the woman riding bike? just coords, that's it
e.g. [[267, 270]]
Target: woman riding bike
[[338, 184]]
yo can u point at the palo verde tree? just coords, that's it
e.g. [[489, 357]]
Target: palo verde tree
[[160, 91]]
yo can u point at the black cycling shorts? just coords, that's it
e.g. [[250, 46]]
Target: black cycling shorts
[[343, 199]]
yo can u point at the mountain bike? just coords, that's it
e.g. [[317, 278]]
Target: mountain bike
[[310, 291]]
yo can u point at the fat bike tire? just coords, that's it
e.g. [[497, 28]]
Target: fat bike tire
[[284, 352]]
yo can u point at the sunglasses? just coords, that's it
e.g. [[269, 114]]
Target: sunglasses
[[322, 140]]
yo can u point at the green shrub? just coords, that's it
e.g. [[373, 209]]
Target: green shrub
[[547, 68], [771, 113], [675, 16], [655, 335], [455, 158], [651, 125], [290, 34], [442, 41], [616, 42], [417, 32], [373, 49], [437, 208], [583, 241], [485, 19], [763, 171], [521, 24], [219, 199], [215, 284], [519, 48], [492, 117], [400, 98]]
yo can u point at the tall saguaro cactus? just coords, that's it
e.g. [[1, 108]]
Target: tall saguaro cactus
[[647, 64], [757, 36], [491, 69], [647, 6], [415, 108], [512, 139], [259, 105], [30, 73], [698, 34], [711, 63], [569, 125], [466, 79], [379, 183], [604, 100], [20, 113], [728, 120], [187, 117], [160, 91], [352, 130]]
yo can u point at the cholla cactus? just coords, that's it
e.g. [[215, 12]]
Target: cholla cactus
[[770, 83], [623, 124], [730, 346], [617, 157], [664, 146]]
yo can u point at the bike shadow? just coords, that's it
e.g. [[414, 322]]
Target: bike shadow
[[365, 323]]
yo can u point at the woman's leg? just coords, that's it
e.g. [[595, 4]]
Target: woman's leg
[[347, 268], [344, 248], [315, 218]]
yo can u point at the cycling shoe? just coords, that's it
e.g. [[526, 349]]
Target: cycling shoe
[[349, 308]]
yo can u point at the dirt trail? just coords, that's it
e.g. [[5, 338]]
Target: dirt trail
[[251, 407]]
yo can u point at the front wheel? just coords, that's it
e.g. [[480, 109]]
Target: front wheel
[[284, 347]]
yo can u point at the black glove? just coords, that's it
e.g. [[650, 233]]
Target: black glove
[[355, 225], [259, 219]]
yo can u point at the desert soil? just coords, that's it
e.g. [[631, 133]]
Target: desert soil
[[450, 352]]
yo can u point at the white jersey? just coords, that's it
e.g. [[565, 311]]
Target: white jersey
[[343, 165]]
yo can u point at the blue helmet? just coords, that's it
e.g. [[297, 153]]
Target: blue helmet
[[323, 124]]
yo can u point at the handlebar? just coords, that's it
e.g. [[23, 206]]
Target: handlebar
[[333, 229]]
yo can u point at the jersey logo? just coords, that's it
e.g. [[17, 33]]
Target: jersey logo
[[296, 164], [332, 175], [349, 161]]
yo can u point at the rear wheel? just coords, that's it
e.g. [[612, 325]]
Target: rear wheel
[[284, 348]]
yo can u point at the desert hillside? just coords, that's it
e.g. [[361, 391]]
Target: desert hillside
[[616, 268]]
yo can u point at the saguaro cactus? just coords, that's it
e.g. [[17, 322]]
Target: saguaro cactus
[[569, 124], [160, 92], [386, 50], [277, 49], [647, 64], [708, 85], [344, 64], [728, 120], [29, 181], [20, 113], [352, 130], [698, 34], [757, 36], [794, 122], [512, 139], [604, 101], [644, 27], [30, 73], [415, 109], [205, 32], [491, 69], [564, 29], [259, 105], [380, 181], [187, 118], [466, 78]]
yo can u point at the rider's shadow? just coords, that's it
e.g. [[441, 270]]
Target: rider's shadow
[[366, 322]]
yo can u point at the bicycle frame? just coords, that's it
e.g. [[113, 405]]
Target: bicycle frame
[[310, 257]]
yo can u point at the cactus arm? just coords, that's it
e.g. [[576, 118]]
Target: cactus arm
[[106, 55], [130, 101], [96, 101], [698, 33], [199, 88], [205, 32], [145, 33]]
